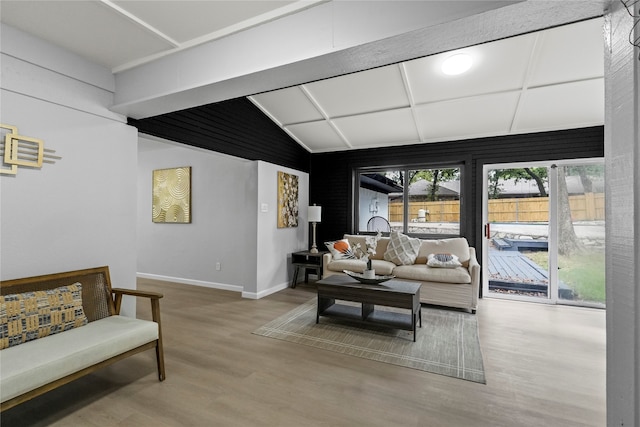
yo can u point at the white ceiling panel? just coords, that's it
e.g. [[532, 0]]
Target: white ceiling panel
[[99, 35], [376, 129], [203, 17], [569, 53], [367, 91], [288, 106], [564, 106], [497, 66], [465, 118], [317, 136]]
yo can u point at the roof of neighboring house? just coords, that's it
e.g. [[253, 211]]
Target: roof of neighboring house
[[422, 187], [379, 183]]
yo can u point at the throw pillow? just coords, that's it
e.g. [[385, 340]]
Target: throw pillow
[[402, 249], [31, 315], [443, 261], [340, 249]]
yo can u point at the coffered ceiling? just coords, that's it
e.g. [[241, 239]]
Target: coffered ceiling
[[540, 81]]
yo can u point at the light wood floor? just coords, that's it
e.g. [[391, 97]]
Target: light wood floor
[[545, 366]]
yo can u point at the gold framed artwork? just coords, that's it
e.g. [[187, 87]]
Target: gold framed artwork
[[172, 195], [287, 200]]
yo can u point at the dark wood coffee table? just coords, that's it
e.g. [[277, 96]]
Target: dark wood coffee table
[[393, 293]]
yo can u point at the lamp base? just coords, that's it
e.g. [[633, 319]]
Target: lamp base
[[314, 248]]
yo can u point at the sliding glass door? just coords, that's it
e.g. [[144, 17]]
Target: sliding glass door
[[544, 232]]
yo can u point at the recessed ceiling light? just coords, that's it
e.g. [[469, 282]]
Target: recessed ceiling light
[[456, 64]]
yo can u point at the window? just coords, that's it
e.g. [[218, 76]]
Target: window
[[419, 201]]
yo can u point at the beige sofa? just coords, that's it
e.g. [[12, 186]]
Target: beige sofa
[[452, 287]]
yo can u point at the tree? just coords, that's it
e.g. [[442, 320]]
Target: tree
[[568, 242], [539, 175], [434, 176]]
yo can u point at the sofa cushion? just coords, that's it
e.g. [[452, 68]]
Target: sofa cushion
[[39, 362], [402, 249], [424, 273], [443, 261], [340, 249], [456, 245], [27, 316], [358, 266]]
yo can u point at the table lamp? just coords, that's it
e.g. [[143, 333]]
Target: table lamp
[[313, 216]]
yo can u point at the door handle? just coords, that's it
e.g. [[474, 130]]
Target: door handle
[[487, 231]]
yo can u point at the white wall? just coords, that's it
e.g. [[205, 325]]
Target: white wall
[[226, 226], [81, 211], [275, 245]]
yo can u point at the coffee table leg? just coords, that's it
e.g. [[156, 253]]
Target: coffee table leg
[[323, 304], [367, 309], [413, 317]]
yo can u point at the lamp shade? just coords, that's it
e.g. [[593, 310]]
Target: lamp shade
[[314, 213]]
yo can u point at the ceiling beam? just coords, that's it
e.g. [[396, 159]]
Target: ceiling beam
[[213, 73]]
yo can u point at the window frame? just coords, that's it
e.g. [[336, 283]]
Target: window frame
[[405, 168]]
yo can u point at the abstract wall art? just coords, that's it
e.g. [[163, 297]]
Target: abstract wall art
[[287, 200], [172, 195]]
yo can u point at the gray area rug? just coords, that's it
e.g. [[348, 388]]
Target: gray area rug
[[447, 343]]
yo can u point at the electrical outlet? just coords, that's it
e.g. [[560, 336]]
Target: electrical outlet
[[218, 266]]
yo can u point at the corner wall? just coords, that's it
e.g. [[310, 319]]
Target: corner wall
[[226, 227], [275, 245], [81, 211]]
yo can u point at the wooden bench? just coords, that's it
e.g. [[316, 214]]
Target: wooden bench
[[32, 368]]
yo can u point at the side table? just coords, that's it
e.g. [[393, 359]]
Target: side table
[[308, 261]]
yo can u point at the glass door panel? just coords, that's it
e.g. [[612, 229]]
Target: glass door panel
[[581, 233], [545, 232], [517, 233]]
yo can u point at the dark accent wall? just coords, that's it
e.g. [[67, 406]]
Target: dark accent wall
[[235, 127], [332, 173]]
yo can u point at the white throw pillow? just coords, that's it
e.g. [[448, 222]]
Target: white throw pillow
[[443, 261], [340, 249], [402, 249]]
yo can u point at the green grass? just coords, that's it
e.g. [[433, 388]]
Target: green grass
[[584, 273]]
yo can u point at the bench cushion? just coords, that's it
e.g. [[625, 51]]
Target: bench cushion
[[39, 362]]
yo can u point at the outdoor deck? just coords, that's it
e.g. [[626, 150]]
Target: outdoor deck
[[511, 270]]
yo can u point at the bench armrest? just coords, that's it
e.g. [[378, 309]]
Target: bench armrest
[[154, 297], [137, 293]]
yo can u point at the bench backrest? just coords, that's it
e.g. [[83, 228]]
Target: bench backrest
[[97, 300]]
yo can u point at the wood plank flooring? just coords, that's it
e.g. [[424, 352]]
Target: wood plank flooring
[[545, 366]]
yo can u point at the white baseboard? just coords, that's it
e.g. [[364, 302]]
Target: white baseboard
[[213, 285], [266, 292], [202, 283]]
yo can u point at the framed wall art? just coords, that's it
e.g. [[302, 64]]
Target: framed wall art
[[287, 200], [172, 195]]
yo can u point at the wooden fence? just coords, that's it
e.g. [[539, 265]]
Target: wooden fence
[[584, 207]]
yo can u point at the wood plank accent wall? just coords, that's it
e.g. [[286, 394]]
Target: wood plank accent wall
[[235, 127], [332, 173]]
